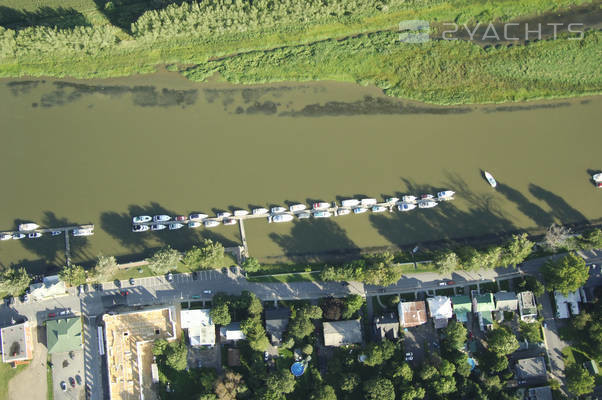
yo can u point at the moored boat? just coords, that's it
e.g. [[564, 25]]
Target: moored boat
[[350, 203], [297, 207], [406, 206], [34, 235], [490, 179], [18, 236], [240, 213], [140, 228], [180, 218], [368, 202], [427, 196], [161, 218], [322, 214], [446, 195], [5, 236], [597, 177], [321, 205], [175, 225], [392, 200], [142, 219], [304, 215], [197, 217], [158, 227], [359, 210], [194, 224], [229, 221], [282, 218], [427, 204], [409, 199], [378, 209], [210, 223], [277, 210], [343, 211], [83, 232], [55, 233], [260, 211], [223, 214], [30, 226]]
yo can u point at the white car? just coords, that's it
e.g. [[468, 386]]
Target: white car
[[207, 291]]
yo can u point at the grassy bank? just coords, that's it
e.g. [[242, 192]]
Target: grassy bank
[[6, 374]]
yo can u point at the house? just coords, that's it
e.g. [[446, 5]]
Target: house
[[539, 393], [566, 303], [387, 326], [232, 332], [411, 313], [17, 343], [483, 306], [531, 368], [440, 310], [64, 335], [200, 327], [276, 321], [50, 287], [526, 306], [506, 301], [340, 333], [461, 307]]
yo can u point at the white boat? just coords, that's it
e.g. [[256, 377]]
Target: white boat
[[197, 217], [378, 209], [142, 219], [194, 224], [260, 211], [18, 236], [158, 227], [210, 223], [161, 218], [322, 214], [30, 226], [175, 225], [140, 228], [408, 199], [83, 232], [406, 206], [427, 196], [321, 205], [597, 177], [359, 210], [350, 203], [297, 207], [304, 215], [55, 233], [343, 211], [368, 202], [427, 204], [5, 236], [34, 235], [282, 218], [277, 210], [229, 221], [490, 179], [446, 195], [240, 213], [223, 214], [392, 200]]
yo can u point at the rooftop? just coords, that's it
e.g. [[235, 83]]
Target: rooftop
[[201, 330], [63, 335], [440, 307], [387, 326], [540, 393], [461, 304], [411, 313], [340, 333], [276, 321], [534, 367], [484, 302], [232, 332], [17, 343]]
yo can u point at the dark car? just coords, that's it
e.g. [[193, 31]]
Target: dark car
[[195, 276], [78, 379], [131, 281], [63, 386], [72, 381], [98, 287], [86, 288], [8, 300], [117, 282]]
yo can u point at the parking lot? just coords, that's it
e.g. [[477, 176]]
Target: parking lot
[[65, 366], [418, 339]]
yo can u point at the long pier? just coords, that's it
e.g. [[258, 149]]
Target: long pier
[[48, 230]]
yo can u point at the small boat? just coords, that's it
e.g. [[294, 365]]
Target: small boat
[[28, 227], [490, 179], [282, 218], [140, 228], [408, 199], [180, 218], [350, 203], [322, 214], [18, 236], [194, 224], [34, 235], [229, 221], [343, 211], [223, 214], [368, 202], [197, 216], [427, 196], [321, 205], [446, 195], [359, 210], [175, 225], [304, 215], [55, 233], [599, 184], [297, 207], [142, 219], [378, 209], [427, 204], [210, 223], [158, 227], [406, 206], [240, 213], [161, 218], [5, 236], [597, 177], [392, 200], [83, 232], [277, 210], [260, 211]]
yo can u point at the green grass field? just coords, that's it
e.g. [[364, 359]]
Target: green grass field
[[6, 374]]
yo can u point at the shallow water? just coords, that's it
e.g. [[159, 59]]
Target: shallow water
[[102, 151]]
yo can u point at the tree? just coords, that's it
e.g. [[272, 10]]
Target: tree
[[255, 333], [557, 237], [412, 393], [307, 349], [14, 281], [579, 381], [581, 320], [163, 261], [591, 239], [353, 303], [444, 385], [332, 308], [175, 355], [378, 353], [300, 324], [281, 382], [220, 314], [455, 335], [229, 385], [427, 372], [403, 372], [325, 392], [463, 368], [349, 382], [250, 302], [447, 368], [531, 331], [251, 265], [567, 274], [517, 249], [73, 275], [208, 396], [106, 267], [471, 258], [209, 255], [535, 285], [379, 389], [447, 261], [502, 341]]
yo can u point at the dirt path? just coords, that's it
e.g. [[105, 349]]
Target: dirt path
[[31, 383]]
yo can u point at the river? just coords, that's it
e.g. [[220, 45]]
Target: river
[[102, 151]]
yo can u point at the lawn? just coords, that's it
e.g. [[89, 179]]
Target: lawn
[[6, 374], [283, 278]]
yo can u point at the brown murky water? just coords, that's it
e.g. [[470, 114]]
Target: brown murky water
[[103, 151]]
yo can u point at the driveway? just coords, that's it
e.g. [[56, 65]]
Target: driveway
[[552, 341], [30, 384], [65, 366], [417, 339]]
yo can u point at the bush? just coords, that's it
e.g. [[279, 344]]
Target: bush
[[164, 261]]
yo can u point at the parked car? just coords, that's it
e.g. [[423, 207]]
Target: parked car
[[98, 287], [195, 276], [24, 298], [451, 282], [72, 381], [8, 300], [199, 364], [266, 356], [64, 312], [63, 386], [51, 315], [207, 291], [195, 297], [131, 281], [124, 293], [78, 379], [169, 277], [442, 284]]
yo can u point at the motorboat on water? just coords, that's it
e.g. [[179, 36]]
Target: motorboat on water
[[282, 218], [427, 204], [197, 217], [277, 210], [180, 218], [175, 225], [359, 210], [223, 214], [83, 232], [158, 227], [368, 202], [445, 195], [55, 233], [427, 196], [322, 214], [5, 236], [378, 209], [297, 207], [30, 226], [260, 211], [210, 223], [18, 236], [229, 221], [34, 235], [392, 200], [350, 203], [161, 218], [194, 224], [304, 215], [409, 199], [142, 219], [140, 228], [240, 213], [406, 206], [597, 177], [490, 179], [343, 211], [321, 205]]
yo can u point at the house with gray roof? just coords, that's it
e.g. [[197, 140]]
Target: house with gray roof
[[276, 321]]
